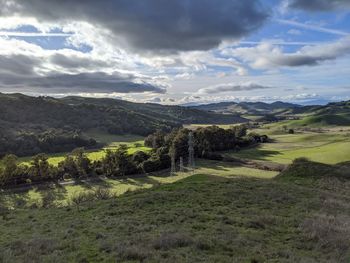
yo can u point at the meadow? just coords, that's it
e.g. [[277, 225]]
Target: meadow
[[134, 143], [62, 194], [199, 218], [329, 148]]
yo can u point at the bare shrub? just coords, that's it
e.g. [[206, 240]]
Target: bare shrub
[[172, 240], [330, 233], [48, 199], [103, 194], [81, 197], [33, 250], [132, 253], [7, 256], [4, 211]]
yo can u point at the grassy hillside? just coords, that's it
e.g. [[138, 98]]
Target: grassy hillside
[[303, 170], [62, 194], [28, 113], [248, 108], [201, 218], [329, 148], [320, 120], [31, 125]]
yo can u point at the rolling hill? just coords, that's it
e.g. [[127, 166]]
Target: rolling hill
[[33, 124], [334, 114], [250, 108]]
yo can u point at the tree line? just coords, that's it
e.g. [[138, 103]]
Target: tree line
[[207, 140], [50, 141], [116, 163]]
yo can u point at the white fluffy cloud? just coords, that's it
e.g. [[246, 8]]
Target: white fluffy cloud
[[25, 66], [267, 56]]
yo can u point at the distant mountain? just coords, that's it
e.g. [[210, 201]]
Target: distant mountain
[[248, 108], [335, 114]]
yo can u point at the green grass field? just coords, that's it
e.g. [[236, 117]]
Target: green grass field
[[330, 148], [63, 193], [341, 121], [201, 218], [221, 213], [223, 126], [134, 143]]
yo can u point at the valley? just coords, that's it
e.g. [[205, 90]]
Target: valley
[[283, 193]]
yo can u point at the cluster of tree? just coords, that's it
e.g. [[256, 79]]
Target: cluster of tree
[[51, 141], [76, 165], [207, 140]]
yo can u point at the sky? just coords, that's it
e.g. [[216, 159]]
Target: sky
[[177, 52]]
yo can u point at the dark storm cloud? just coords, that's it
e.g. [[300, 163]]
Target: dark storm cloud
[[231, 87], [320, 5], [299, 60], [20, 64], [157, 25], [74, 62], [18, 73]]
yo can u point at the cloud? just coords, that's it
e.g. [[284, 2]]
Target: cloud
[[30, 34], [295, 32], [267, 56], [75, 61], [320, 5], [231, 87], [19, 73], [153, 25], [312, 27], [97, 82]]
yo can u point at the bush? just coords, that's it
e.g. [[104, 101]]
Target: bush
[[172, 240], [151, 165], [82, 197], [103, 194]]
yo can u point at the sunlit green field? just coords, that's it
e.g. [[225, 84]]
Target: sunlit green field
[[63, 193], [223, 126], [329, 148], [134, 143]]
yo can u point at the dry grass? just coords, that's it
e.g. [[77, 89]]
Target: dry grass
[[329, 233]]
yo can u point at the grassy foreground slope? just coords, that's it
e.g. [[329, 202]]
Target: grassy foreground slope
[[61, 194], [202, 218]]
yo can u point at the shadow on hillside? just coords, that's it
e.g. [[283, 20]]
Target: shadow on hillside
[[255, 153], [93, 183], [32, 195]]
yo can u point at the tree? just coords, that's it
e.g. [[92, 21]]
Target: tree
[[40, 168], [118, 162], [240, 130], [82, 162], [68, 168], [9, 170]]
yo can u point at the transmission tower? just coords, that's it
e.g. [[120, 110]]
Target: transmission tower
[[173, 163], [182, 167], [191, 164]]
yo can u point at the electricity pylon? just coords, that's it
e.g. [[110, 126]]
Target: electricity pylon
[[191, 164], [173, 163], [182, 167]]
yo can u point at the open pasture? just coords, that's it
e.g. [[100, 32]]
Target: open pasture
[[62, 193], [134, 143], [329, 148]]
